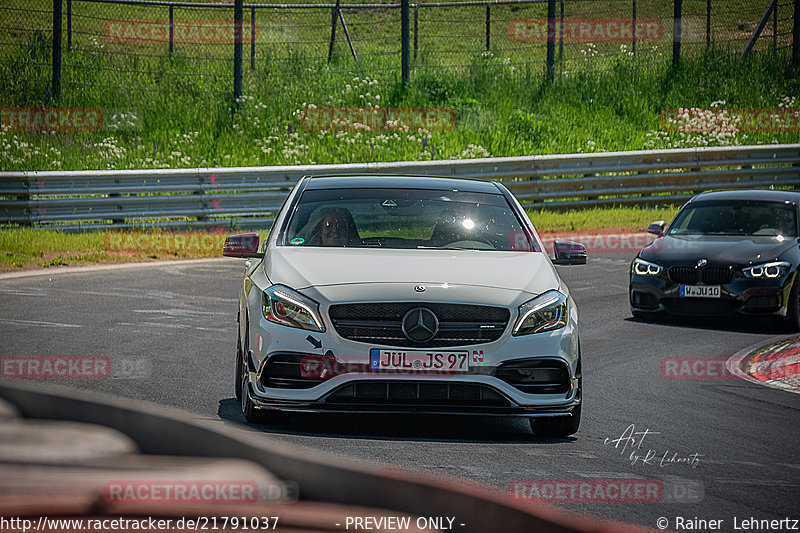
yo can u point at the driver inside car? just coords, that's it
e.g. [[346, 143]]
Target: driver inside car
[[331, 226]]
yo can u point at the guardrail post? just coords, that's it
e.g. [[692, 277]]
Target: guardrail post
[[56, 78], [238, 15], [405, 34], [551, 40], [676, 32]]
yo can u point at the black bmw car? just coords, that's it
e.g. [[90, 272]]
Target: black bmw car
[[724, 253]]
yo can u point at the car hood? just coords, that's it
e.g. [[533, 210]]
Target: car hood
[[723, 249], [301, 268]]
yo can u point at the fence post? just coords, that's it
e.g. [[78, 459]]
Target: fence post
[[796, 38], [634, 27], [238, 14], [252, 38], [775, 29], [676, 32], [69, 24], [416, 29], [333, 33], [561, 34], [551, 40], [708, 23], [405, 34], [171, 29], [56, 81], [488, 26]]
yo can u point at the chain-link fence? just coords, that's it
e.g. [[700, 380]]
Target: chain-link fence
[[113, 49]]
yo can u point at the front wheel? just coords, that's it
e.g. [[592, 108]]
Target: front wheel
[[251, 414], [557, 426]]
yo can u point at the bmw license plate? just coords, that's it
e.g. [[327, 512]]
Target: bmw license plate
[[418, 360], [700, 291]]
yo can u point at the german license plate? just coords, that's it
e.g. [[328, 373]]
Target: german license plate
[[700, 291], [418, 360]]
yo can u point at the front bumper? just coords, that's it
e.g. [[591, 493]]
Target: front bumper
[[386, 403], [477, 392], [658, 294]]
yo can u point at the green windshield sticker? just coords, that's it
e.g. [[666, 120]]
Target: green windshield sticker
[[297, 240]]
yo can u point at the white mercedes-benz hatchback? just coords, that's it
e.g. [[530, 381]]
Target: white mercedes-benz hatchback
[[404, 294]]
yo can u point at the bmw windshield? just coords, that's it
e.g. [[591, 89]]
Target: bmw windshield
[[743, 217], [406, 219]]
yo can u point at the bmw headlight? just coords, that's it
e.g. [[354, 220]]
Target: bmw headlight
[[546, 312], [767, 270], [284, 306], [640, 267]]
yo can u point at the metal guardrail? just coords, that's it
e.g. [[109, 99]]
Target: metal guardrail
[[249, 197]]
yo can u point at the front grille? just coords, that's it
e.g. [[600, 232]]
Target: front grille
[[536, 376], [708, 275], [380, 323], [417, 393], [701, 306]]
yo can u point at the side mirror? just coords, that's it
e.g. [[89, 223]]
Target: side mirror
[[656, 228], [242, 245], [569, 253]]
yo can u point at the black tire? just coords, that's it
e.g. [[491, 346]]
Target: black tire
[[237, 380], [557, 426], [251, 414], [792, 320]]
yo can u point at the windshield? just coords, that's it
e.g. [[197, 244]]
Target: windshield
[[406, 218], [743, 217]]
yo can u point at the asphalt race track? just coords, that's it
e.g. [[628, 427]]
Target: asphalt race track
[[170, 331]]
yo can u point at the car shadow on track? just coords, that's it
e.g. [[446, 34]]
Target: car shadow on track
[[736, 323], [433, 428]]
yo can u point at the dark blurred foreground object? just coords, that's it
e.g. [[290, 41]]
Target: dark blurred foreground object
[[66, 455]]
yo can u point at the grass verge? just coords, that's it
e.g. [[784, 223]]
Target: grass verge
[[23, 249]]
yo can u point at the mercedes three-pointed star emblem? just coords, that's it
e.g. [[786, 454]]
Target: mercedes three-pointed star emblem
[[420, 325]]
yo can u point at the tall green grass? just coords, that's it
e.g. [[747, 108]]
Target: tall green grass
[[502, 110]]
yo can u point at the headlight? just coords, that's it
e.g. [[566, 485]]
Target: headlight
[[284, 306], [546, 312], [767, 270], [640, 267]]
